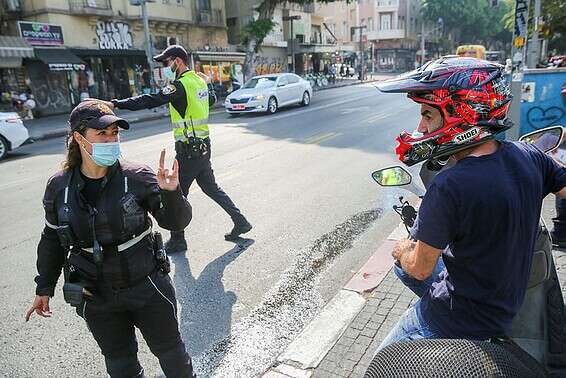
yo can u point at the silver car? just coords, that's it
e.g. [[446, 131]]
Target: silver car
[[267, 93]]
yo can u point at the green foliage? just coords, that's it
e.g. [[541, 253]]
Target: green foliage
[[258, 29], [470, 21]]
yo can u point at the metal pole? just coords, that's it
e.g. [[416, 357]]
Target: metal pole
[[361, 56], [422, 43], [372, 60], [534, 49], [292, 47], [148, 50]]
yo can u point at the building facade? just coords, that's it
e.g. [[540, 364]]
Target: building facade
[[392, 28], [96, 48]]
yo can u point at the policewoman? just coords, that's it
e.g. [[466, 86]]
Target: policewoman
[[187, 96], [98, 231]]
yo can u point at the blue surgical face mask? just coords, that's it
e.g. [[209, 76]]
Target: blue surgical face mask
[[105, 154], [169, 73]]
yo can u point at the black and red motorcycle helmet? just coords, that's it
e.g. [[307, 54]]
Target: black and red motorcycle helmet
[[472, 96]]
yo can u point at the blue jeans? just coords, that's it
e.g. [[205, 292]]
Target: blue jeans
[[411, 325]]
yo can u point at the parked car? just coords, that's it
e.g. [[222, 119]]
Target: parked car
[[13, 133], [267, 93]]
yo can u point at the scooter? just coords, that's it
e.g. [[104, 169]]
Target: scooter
[[536, 343]]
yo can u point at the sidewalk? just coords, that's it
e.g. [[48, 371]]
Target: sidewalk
[[56, 126], [341, 340]]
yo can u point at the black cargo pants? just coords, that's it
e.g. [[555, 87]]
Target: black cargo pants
[[200, 169], [150, 306]]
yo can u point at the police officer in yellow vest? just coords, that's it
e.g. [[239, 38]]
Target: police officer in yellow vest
[[187, 96]]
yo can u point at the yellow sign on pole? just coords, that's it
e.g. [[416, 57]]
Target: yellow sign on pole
[[519, 42]]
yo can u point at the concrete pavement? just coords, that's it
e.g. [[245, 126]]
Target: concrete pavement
[[360, 316]]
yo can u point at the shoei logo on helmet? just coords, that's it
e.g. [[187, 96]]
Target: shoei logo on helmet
[[466, 135]]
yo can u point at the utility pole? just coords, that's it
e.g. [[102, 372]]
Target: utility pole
[[533, 56], [517, 62], [360, 28], [148, 45], [422, 42], [291, 19]]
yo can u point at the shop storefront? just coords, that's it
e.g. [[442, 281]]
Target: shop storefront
[[114, 73], [224, 68], [51, 74], [13, 76], [115, 69], [51, 70]]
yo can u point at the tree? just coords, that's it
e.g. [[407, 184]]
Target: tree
[[470, 21], [256, 30]]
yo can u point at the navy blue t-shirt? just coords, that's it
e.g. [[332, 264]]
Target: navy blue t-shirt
[[484, 213]]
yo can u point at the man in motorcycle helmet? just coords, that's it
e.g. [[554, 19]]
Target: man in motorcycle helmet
[[481, 215]]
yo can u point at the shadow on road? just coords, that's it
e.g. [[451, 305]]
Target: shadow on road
[[205, 306]]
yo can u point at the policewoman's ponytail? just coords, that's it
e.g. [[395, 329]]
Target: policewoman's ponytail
[[73, 158]]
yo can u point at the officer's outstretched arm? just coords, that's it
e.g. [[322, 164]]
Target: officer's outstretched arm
[[168, 94]]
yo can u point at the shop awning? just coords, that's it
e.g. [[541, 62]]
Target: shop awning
[[107, 52], [14, 47], [220, 56], [60, 59]]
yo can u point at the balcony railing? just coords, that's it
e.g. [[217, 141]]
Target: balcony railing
[[212, 17], [98, 7], [386, 34]]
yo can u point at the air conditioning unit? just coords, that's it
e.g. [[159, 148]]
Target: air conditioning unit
[[14, 5]]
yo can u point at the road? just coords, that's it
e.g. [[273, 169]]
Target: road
[[301, 176]]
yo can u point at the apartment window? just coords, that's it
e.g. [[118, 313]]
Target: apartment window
[[385, 21], [202, 4], [370, 24], [344, 29]]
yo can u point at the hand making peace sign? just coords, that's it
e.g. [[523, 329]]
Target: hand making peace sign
[[165, 180]]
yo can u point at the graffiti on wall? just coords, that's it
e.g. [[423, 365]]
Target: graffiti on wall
[[114, 35], [51, 93], [268, 64], [540, 118]]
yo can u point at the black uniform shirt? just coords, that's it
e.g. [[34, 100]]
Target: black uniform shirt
[[173, 93], [91, 189]]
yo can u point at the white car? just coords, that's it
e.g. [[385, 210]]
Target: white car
[[267, 93], [13, 133]]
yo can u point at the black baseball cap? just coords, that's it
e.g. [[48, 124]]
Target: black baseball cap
[[94, 115], [176, 51]]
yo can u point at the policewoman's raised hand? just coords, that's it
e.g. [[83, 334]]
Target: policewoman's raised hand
[[40, 306], [167, 180]]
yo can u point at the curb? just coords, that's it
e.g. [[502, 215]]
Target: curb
[[305, 353]]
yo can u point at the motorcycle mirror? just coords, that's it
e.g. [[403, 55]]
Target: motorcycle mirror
[[546, 139], [392, 176]]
